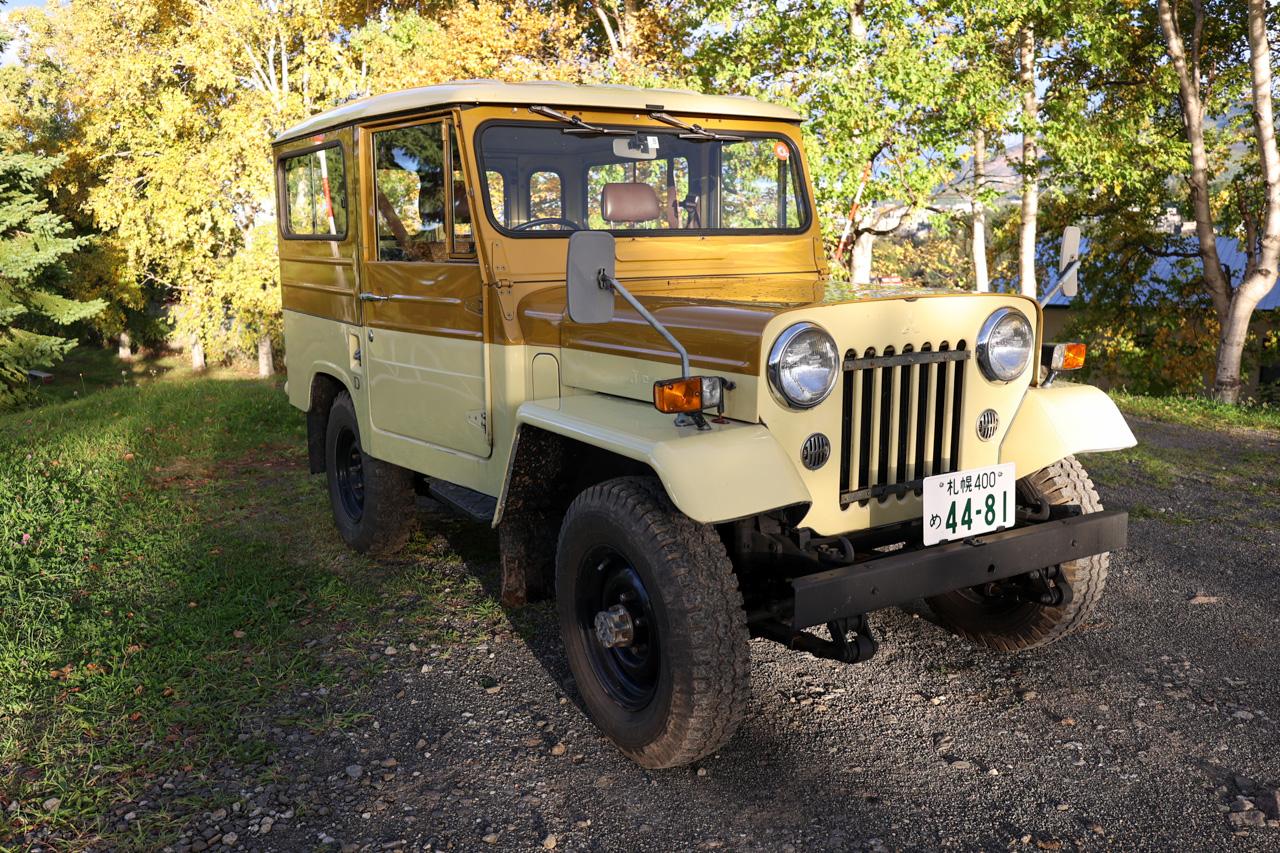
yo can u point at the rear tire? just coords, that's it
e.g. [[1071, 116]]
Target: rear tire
[[677, 689], [372, 501], [1011, 625]]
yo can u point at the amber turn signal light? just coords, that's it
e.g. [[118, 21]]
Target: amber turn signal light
[[687, 394], [1063, 356]]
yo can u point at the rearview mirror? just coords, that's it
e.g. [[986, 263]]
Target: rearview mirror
[[591, 258], [638, 147], [1070, 283]]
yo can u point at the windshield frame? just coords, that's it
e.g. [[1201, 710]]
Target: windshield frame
[[804, 202]]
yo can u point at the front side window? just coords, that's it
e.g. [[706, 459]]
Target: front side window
[[409, 189], [315, 194], [463, 237], [658, 181]]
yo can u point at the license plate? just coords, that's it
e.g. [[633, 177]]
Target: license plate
[[967, 503]]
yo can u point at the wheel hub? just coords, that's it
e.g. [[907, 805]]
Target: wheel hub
[[615, 628]]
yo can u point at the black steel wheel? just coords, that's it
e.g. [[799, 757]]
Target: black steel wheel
[[620, 633], [372, 500], [349, 469], [652, 622]]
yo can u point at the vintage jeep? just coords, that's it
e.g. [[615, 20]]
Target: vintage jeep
[[598, 318]]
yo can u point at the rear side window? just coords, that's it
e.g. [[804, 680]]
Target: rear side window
[[315, 194]]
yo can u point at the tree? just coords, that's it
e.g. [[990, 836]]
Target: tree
[[881, 82], [33, 242], [1209, 66]]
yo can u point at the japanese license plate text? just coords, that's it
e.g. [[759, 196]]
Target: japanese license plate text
[[967, 503]]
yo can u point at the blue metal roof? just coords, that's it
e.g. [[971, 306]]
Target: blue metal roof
[[1165, 270]]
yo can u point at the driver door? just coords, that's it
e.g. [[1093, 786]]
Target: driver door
[[421, 294]]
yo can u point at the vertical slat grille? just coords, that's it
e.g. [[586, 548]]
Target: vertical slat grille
[[901, 419]]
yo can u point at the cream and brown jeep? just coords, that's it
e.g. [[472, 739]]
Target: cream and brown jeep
[[598, 318]]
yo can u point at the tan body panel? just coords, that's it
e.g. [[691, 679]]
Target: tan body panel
[[707, 474], [1064, 420]]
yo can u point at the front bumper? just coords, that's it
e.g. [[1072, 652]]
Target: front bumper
[[903, 576]]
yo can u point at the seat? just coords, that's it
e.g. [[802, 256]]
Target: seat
[[629, 203]]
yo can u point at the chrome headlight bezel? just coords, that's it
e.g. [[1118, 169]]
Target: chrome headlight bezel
[[777, 354], [999, 373]]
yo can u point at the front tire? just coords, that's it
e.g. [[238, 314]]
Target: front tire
[[372, 500], [1011, 625], [667, 678]]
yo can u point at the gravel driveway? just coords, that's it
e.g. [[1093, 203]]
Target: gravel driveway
[[1156, 727]]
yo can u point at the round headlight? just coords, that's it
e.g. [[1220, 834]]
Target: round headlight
[[1005, 344], [803, 366]]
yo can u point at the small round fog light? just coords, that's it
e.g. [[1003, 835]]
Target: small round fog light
[[816, 451]]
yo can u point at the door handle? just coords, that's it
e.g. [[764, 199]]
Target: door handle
[[373, 297]]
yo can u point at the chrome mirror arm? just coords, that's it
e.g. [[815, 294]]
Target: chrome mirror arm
[[1062, 276], [608, 282]]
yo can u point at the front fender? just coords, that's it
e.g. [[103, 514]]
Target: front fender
[[1060, 421], [731, 471]]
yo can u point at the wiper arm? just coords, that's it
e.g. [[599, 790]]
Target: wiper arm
[[580, 127], [693, 131]]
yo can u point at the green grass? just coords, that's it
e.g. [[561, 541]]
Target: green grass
[[88, 369], [1200, 412], [163, 558]]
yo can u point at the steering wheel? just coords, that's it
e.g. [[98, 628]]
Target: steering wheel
[[548, 220]]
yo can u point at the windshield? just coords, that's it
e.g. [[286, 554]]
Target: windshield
[[541, 180]]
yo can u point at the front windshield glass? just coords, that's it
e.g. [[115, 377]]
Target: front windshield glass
[[540, 180]]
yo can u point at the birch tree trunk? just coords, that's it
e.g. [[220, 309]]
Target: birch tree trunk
[[124, 348], [197, 355], [860, 258], [981, 281], [266, 357], [1234, 309], [1030, 162]]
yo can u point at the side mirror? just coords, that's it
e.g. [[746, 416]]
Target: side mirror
[[591, 255], [1070, 282]]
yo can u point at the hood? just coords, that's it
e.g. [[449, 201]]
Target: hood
[[721, 334]]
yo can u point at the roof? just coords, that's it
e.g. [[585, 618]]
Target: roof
[[1166, 270], [550, 94]]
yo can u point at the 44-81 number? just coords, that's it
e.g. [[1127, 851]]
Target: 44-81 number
[[992, 510]]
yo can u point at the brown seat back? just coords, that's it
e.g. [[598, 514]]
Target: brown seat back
[[627, 202]]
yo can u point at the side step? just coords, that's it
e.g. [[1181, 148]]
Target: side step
[[468, 502]]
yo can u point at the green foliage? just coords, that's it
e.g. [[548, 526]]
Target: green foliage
[[33, 241]]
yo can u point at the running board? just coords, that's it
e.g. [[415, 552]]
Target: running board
[[467, 502]]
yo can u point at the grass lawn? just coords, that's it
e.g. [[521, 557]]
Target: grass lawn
[[163, 558], [1199, 412], [164, 561]]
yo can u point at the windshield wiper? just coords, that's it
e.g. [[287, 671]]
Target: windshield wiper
[[580, 127], [694, 131]]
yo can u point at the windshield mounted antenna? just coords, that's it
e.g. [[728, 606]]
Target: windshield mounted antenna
[[580, 127], [693, 131]]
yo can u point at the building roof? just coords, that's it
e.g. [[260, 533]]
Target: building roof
[[550, 94], [1166, 270]]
